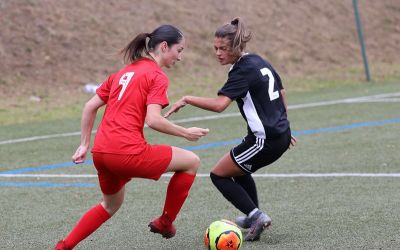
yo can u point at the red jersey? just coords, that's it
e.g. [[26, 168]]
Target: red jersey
[[127, 94]]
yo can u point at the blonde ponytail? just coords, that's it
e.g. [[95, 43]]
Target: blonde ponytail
[[236, 32]]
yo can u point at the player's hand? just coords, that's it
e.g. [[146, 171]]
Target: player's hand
[[80, 154], [293, 141], [175, 108], [193, 133]]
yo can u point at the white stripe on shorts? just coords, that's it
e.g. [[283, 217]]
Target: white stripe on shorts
[[244, 157], [247, 151]]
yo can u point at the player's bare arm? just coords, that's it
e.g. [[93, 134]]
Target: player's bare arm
[[157, 122], [88, 117], [176, 107], [284, 98], [217, 104]]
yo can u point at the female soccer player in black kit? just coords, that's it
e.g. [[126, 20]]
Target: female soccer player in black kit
[[257, 88]]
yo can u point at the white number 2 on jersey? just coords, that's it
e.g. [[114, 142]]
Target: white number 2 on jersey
[[124, 81], [272, 95]]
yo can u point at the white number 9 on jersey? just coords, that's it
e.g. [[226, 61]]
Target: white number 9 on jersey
[[124, 81]]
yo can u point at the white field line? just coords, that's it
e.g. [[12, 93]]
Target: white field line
[[293, 175], [372, 98], [380, 100], [48, 175]]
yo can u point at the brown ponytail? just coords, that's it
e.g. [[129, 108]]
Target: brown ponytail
[[140, 45], [134, 50], [236, 33]]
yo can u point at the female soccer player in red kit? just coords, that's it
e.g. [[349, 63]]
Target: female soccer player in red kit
[[135, 95]]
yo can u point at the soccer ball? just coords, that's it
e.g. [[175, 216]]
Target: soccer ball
[[223, 235]]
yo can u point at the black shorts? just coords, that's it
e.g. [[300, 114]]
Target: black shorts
[[254, 153]]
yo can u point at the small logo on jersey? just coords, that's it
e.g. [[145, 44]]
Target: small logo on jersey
[[248, 166]]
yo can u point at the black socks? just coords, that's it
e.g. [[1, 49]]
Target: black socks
[[234, 193], [247, 182]]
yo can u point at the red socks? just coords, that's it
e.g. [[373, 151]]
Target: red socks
[[177, 192], [89, 222]]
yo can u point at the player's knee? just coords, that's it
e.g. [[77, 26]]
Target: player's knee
[[215, 178], [194, 163], [113, 207]]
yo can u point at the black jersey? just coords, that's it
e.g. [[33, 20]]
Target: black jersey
[[255, 86]]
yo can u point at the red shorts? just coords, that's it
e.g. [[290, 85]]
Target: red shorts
[[115, 170]]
